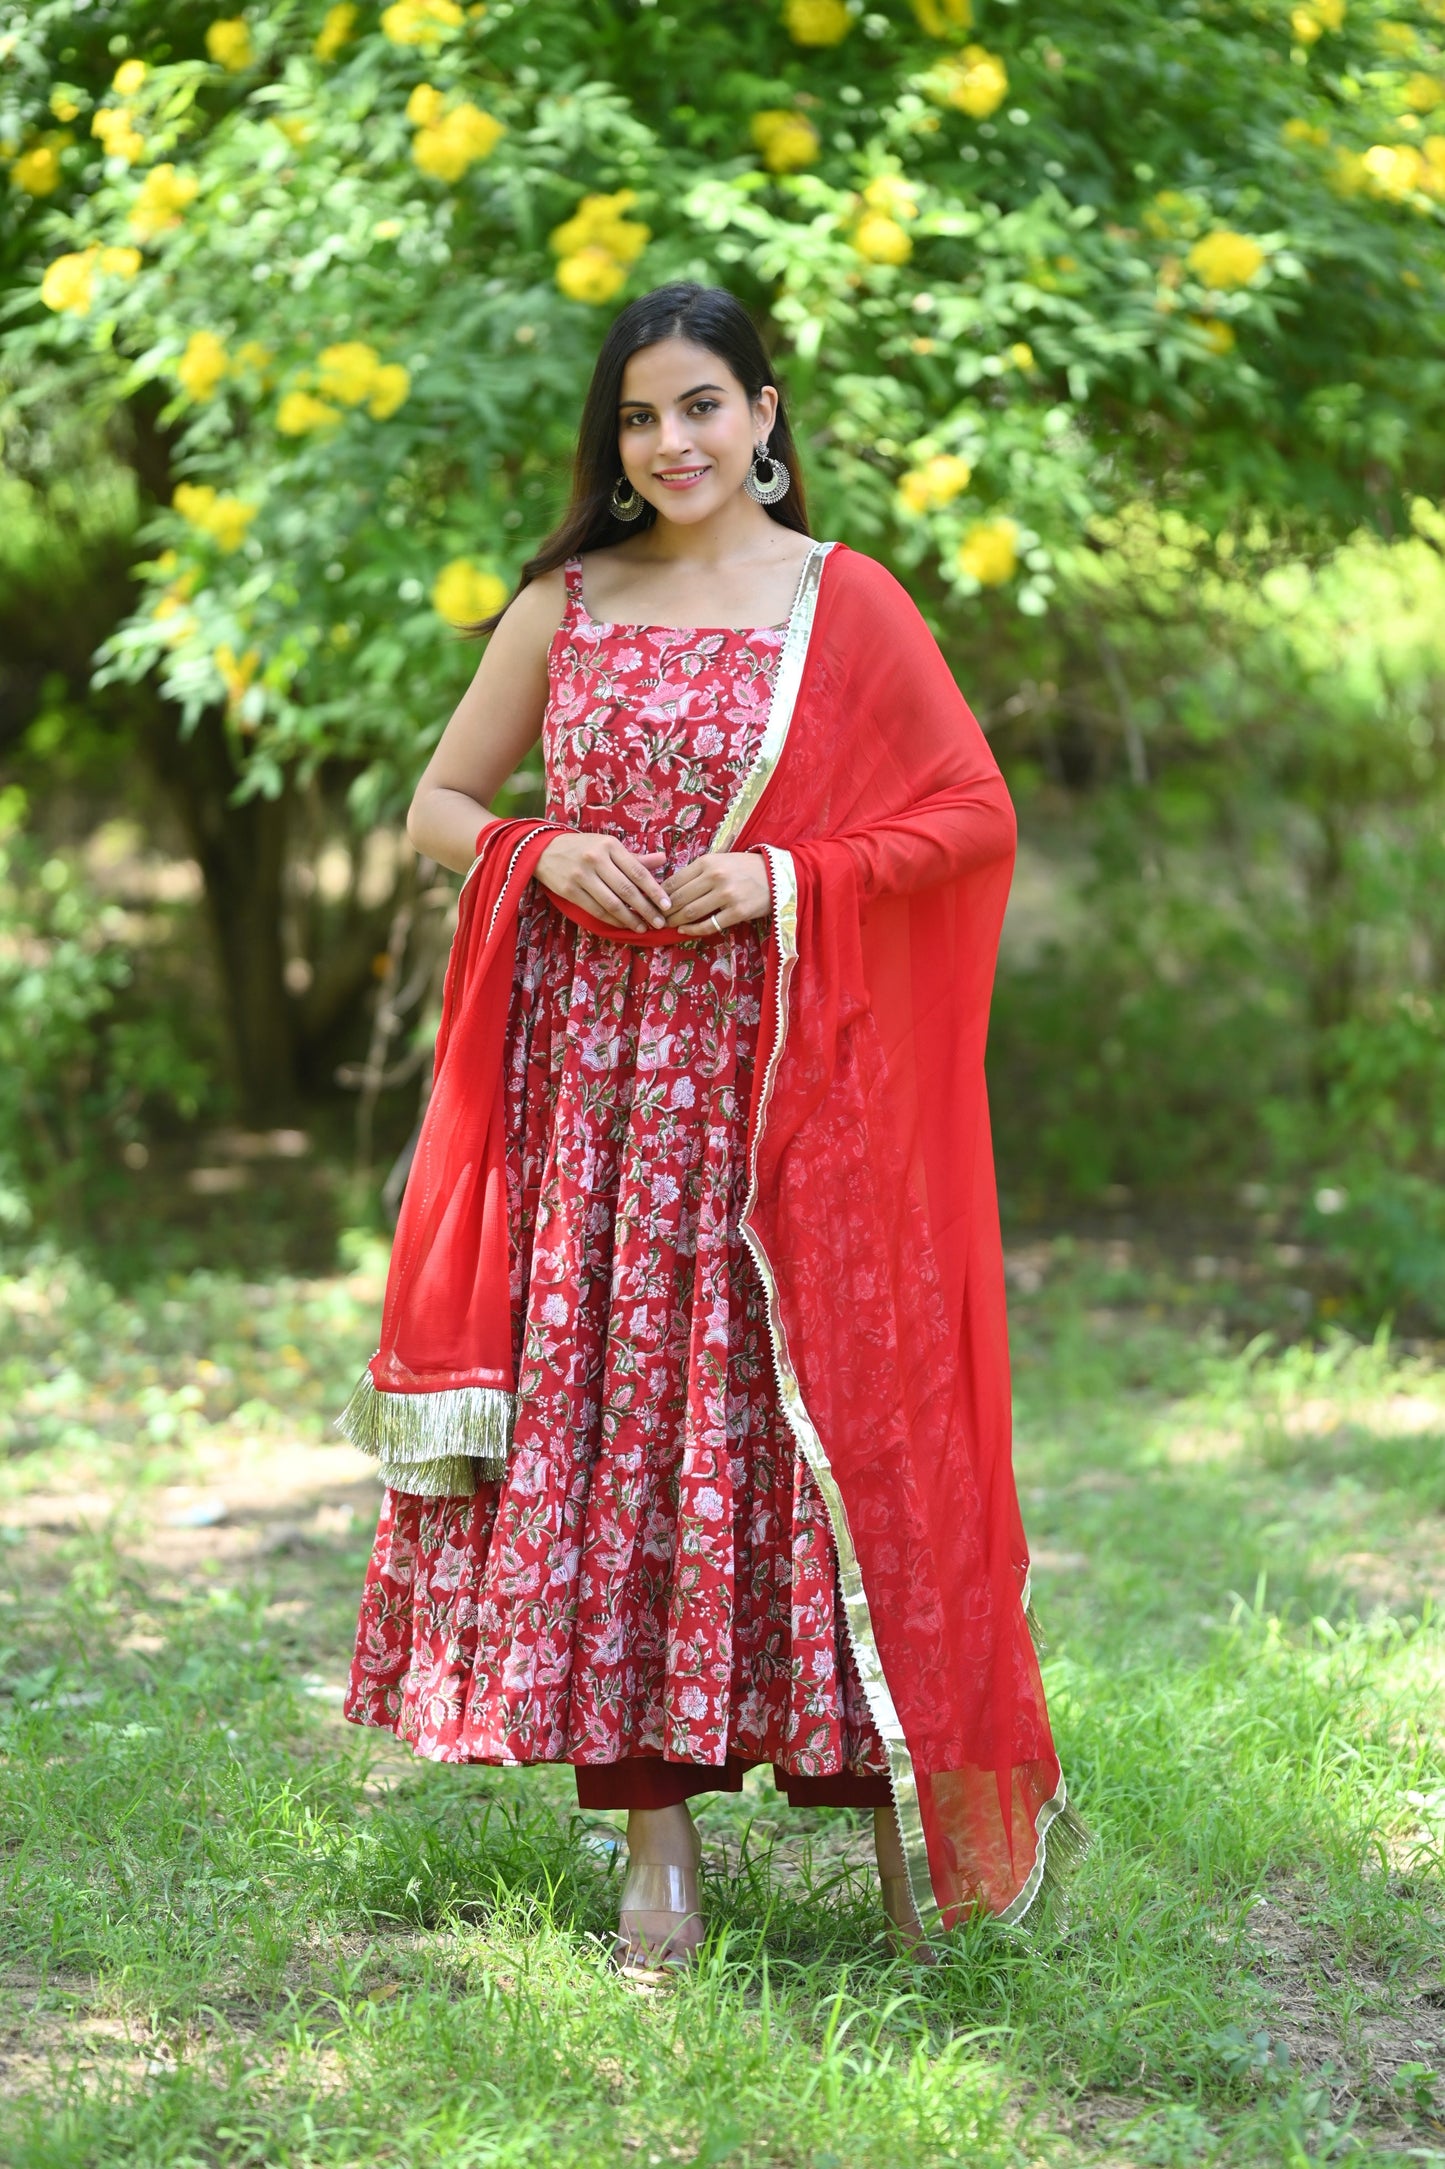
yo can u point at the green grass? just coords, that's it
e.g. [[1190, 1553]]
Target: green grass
[[234, 1931]]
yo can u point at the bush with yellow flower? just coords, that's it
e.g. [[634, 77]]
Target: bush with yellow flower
[[365, 255]]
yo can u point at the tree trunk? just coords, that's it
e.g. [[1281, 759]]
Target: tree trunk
[[241, 850]]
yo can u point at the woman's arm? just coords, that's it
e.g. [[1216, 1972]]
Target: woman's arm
[[497, 720], [495, 724]]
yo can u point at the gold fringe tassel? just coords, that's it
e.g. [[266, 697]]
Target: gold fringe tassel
[[1066, 1841], [435, 1445]]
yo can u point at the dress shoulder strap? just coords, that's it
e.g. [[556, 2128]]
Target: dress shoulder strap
[[572, 574]]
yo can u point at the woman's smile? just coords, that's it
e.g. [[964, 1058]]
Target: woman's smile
[[680, 478]]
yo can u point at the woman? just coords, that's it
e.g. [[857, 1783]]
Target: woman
[[692, 1394]]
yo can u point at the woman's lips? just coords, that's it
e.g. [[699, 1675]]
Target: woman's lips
[[683, 479]]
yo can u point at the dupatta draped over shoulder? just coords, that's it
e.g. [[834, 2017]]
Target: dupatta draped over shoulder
[[871, 1214]]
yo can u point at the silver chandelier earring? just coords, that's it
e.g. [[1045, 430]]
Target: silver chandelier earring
[[626, 502], [767, 479]]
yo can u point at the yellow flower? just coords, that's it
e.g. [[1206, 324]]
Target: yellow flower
[[300, 412], [118, 133], [598, 222], [236, 672], [1302, 131], [251, 355], [389, 389], [421, 22], [464, 593], [1314, 17], [1223, 258], [164, 194], [975, 82], [1171, 212], [892, 196], [1396, 38], [1432, 177], [336, 30], [1216, 334], [62, 105], [224, 519], [935, 483], [229, 44], [128, 78], [346, 372], [943, 18], [881, 240], [989, 552], [1424, 92], [1392, 170], [68, 283], [1021, 354], [816, 22], [296, 130], [787, 140], [121, 263], [591, 274], [446, 148], [425, 106], [353, 372], [37, 171], [203, 365]]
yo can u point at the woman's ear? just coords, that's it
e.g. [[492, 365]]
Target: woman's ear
[[765, 411]]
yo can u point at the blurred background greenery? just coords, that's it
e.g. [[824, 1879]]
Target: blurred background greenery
[[1114, 329]]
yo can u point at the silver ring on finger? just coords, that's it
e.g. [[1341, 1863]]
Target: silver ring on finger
[[716, 923]]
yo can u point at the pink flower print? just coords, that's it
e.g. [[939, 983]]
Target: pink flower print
[[599, 1048], [554, 1310], [683, 1093], [692, 1702], [625, 660], [709, 1502], [709, 740]]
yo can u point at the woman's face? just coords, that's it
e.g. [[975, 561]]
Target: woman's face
[[686, 429]]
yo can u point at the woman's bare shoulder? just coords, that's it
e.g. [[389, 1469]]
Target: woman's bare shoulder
[[535, 613]]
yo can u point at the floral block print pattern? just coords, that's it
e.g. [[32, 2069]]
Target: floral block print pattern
[[656, 1575]]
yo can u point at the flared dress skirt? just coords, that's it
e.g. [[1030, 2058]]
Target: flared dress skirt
[[655, 1576]]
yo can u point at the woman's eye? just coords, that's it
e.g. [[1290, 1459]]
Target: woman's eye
[[704, 406]]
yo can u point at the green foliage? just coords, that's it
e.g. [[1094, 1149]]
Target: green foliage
[[79, 1068], [1076, 259], [1247, 985]]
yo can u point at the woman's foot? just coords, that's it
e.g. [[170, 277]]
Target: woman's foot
[[905, 1930], [660, 1925]]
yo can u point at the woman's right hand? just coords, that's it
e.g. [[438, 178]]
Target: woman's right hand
[[605, 878]]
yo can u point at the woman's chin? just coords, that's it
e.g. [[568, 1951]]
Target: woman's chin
[[687, 507]]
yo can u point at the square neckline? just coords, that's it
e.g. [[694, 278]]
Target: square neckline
[[572, 575]]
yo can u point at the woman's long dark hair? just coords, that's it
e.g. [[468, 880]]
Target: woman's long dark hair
[[710, 317]]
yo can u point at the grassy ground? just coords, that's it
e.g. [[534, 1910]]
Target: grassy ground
[[236, 1931]]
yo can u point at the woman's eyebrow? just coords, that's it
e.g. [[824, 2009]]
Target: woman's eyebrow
[[681, 395]]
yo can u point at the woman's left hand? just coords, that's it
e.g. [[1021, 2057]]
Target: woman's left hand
[[717, 891]]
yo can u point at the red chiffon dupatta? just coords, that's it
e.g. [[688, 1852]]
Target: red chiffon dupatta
[[871, 1215]]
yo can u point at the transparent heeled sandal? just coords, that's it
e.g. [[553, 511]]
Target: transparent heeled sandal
[[905, 1930], [659, 1901]]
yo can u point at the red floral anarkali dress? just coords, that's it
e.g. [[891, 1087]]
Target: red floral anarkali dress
[[655, 1577]]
